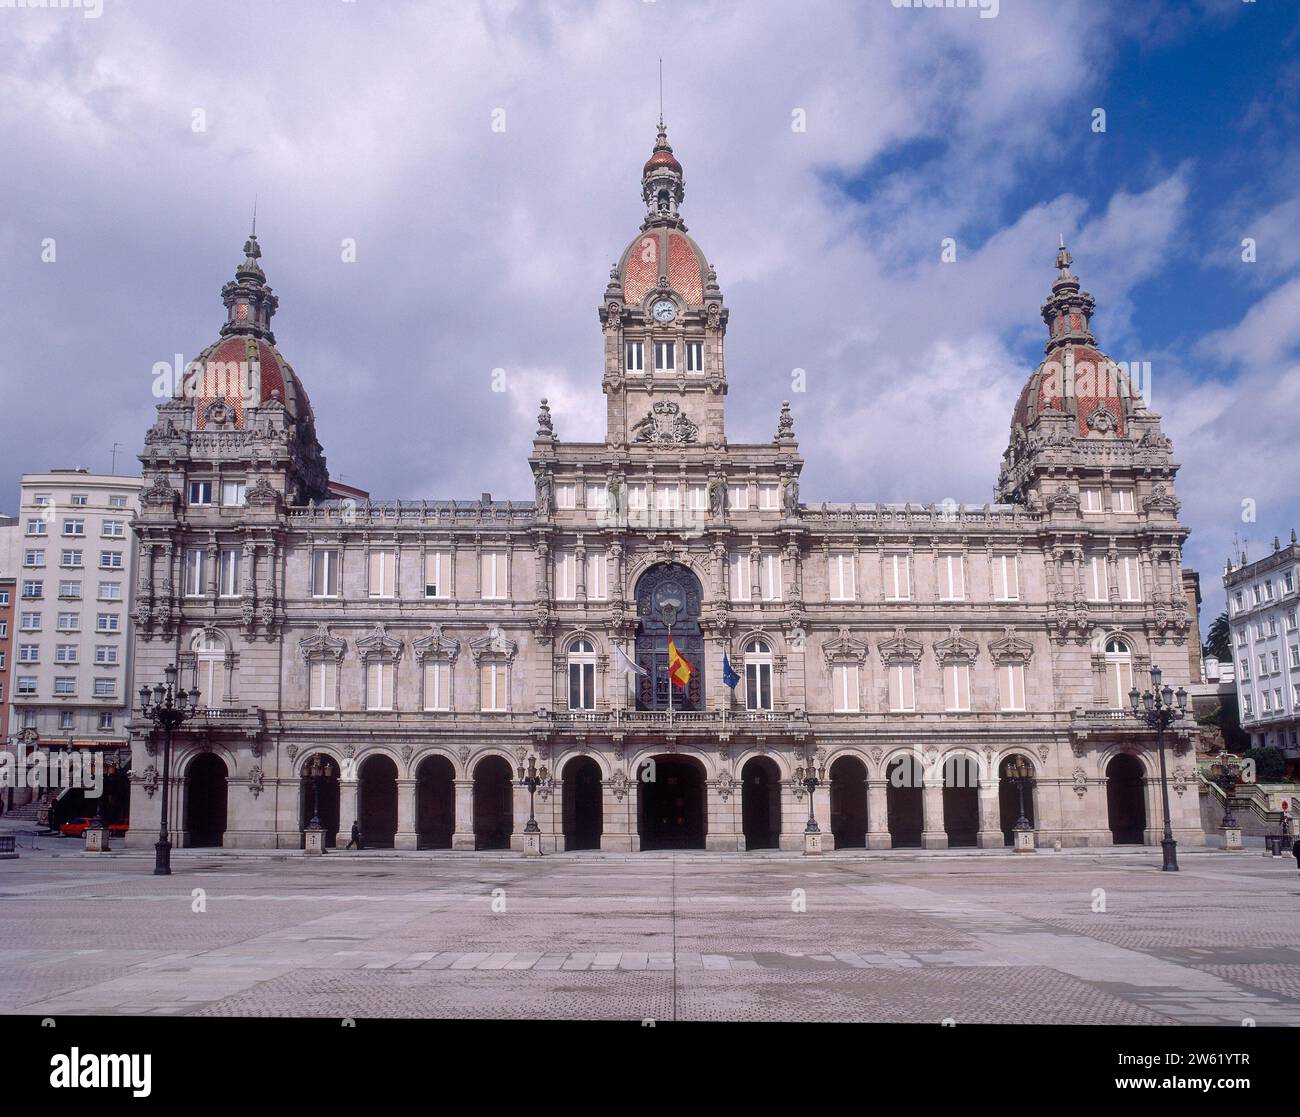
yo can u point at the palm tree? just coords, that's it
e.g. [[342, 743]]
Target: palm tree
[[1219, 640]]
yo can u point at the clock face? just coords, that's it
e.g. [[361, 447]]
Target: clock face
[[664, 311]]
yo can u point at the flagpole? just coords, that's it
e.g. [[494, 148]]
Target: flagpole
[[670, 674]]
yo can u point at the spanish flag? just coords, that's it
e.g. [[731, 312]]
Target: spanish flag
[[679, 670]]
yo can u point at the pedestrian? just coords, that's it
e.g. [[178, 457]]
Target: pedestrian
[[1296, 850], [356, 836]]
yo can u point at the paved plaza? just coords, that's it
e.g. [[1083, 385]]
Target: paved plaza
[[971, 937]]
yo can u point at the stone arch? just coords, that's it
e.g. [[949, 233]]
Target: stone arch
[[581, 805], [760, 802], [207, 791], [1009, 794], [904, 797], [672, 809], [319, 797], [494, 787], [598, 755], [435, 799], [662, 585], [423, 753], [377, 776], [848, 774], [305, 753], [1126, 807], [963, 773]]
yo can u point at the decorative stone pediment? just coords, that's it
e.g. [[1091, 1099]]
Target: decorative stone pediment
[[436, 646], [379, 645], [1161, 500], [898, 647], [665, 424], [956, 648], [263, 493], [844, 647], [160, 494], [1010, 647], [321, 645], [1063, 500], [493, 643]]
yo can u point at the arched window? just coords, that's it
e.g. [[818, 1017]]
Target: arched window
[[582, 675], [758, 675], [1119, 672], [210, 668]]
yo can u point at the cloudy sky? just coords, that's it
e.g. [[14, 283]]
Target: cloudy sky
[[136, 139]]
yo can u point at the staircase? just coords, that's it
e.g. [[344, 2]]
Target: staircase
[[28, 814]]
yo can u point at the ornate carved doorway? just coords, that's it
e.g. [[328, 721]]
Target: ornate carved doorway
[[663, 593]]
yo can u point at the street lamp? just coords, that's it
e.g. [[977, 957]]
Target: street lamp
[[1156, 709], [168, 707], [1019, 772], [317, 768], [810, 777], [532, 778]]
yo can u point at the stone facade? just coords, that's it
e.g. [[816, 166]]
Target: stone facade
[[424, 650]]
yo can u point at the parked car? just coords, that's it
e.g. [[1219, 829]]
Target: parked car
[[76, 827]]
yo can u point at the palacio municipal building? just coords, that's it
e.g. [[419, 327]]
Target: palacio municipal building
[[393, 663]]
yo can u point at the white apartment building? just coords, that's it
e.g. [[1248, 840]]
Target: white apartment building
[[70, 675], [1263, 603]]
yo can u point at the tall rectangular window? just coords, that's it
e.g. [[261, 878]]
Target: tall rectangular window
[[738, 497], [902, 687], [843, 583], [566, 495], [324, 684], [383, 572], [597, 575], [665, 356], [495, 685], [582, 685], [695, 356], [597, 497], [232, 493], [770, 578], [437, 574], [229, 573], [381, 680], [437, 684], [637, 497], [634, 356], [1122, 499], [196, 566], [1011, 686], [1090, 498], [566, 582], [740, 576], [1130, 582], [769, 497], [325, 573], [200, 492], [844, 684], [1097, 585], [956, 687], [898, 577], [667, 498], [1006, 578], [495, 579], [952, 578]]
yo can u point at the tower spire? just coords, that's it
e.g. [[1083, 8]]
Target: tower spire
[[1067, 311], [249, 302]]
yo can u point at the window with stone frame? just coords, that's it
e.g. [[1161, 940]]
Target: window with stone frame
[[845, 656], [1010, 655], [900, 656], [436, 654], [956, 656], [493, 653], [841, 579], [381, 564], [759, 667], [896, 571], [322, 654], [952, 576], [380, 656], [212, 665], [437, 574], [581, 674]]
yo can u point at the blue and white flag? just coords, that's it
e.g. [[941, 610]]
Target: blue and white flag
[[729, 675]]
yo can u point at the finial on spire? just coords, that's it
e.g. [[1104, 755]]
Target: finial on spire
[[254, 233], [1063, 257], [661, 94]]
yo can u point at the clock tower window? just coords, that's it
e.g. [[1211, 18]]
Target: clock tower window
[[635, 353], [695, 356], [665, 356]]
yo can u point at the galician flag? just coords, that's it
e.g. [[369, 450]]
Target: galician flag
[[679, 670], [624, 663]]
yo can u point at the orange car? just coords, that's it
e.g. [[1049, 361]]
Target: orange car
[[77, 827]]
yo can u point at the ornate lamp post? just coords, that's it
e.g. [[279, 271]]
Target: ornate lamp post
[[532, 778], [1021, 773], [811, 776], [168, 707], [1227, 774], [1156, 709], [316, 769]]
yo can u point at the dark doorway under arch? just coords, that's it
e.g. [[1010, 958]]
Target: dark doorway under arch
[[435, 803], [205, 801], [377, 801], [671, 806], [760, 803], [961, 801], [1009, 802], [903, 796], [494, 803], [849, 803], [581, 804], [327, 789], [1126, 800]]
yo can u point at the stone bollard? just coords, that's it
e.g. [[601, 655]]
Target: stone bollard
[[532, 845], [315, 841], [1025, 841], [96, 837], [812, 842], [1232, 839]]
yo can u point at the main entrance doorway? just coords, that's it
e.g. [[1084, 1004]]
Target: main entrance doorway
[[581, 804], [849, 803], [377, 802], [435, 803], [760, 803], [670, 803], [1126, 800], [903, 797], [205, 801], [961, 801], [494, 804]]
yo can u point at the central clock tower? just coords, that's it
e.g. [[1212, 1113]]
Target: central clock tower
[[664, 323]]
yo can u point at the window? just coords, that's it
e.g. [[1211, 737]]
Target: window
[[494, 574], [1255, 593], [1295, 654], [634, 356], [956, 687], [697, 498], [844, 683], [325, 573], [105, 721], [381, 679], [106, 622], [582, 675], [41, 500], [4, 600], [1268, 590], [383, 572], [1122, 499], [740, 576], [1011, 686], [769, 497], [667, 498], [1130, 582], [109, 591], [233, 493], [35, 527], [29, 653], [1097, 579], [566, 586], [4, 630], [210, 669], [597, 497], [566, 495], [33, 558], [1288, 582], [695, 356], [105, 653], [71, 589], [64, 685], [437, 684], [65, 653], [74, 527], [110, 560], [1263, 665], [1273, 662], [770, 578], [437, 574], [228, 575], [1244, 667], [495, 684], [77, 500], [70, 622], [597, 575], [1259, 630], [33, 588], [898, 577], [105, 688], [117, 501], [738, 497], [26, 684], [637, 497], [200, 492], [1119, 673], [1238, 599], [1090, 498], [324, 684], [952, 578], [196, 563], [1248, 705], [29, 622], [902, 687], [843, 584], [1291, 621], [1266, 701], [66, 719], [758, 676], [1006, 578], [114, 529], [70, 558], [665, 356], [1243, 634], [1277, 700]]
